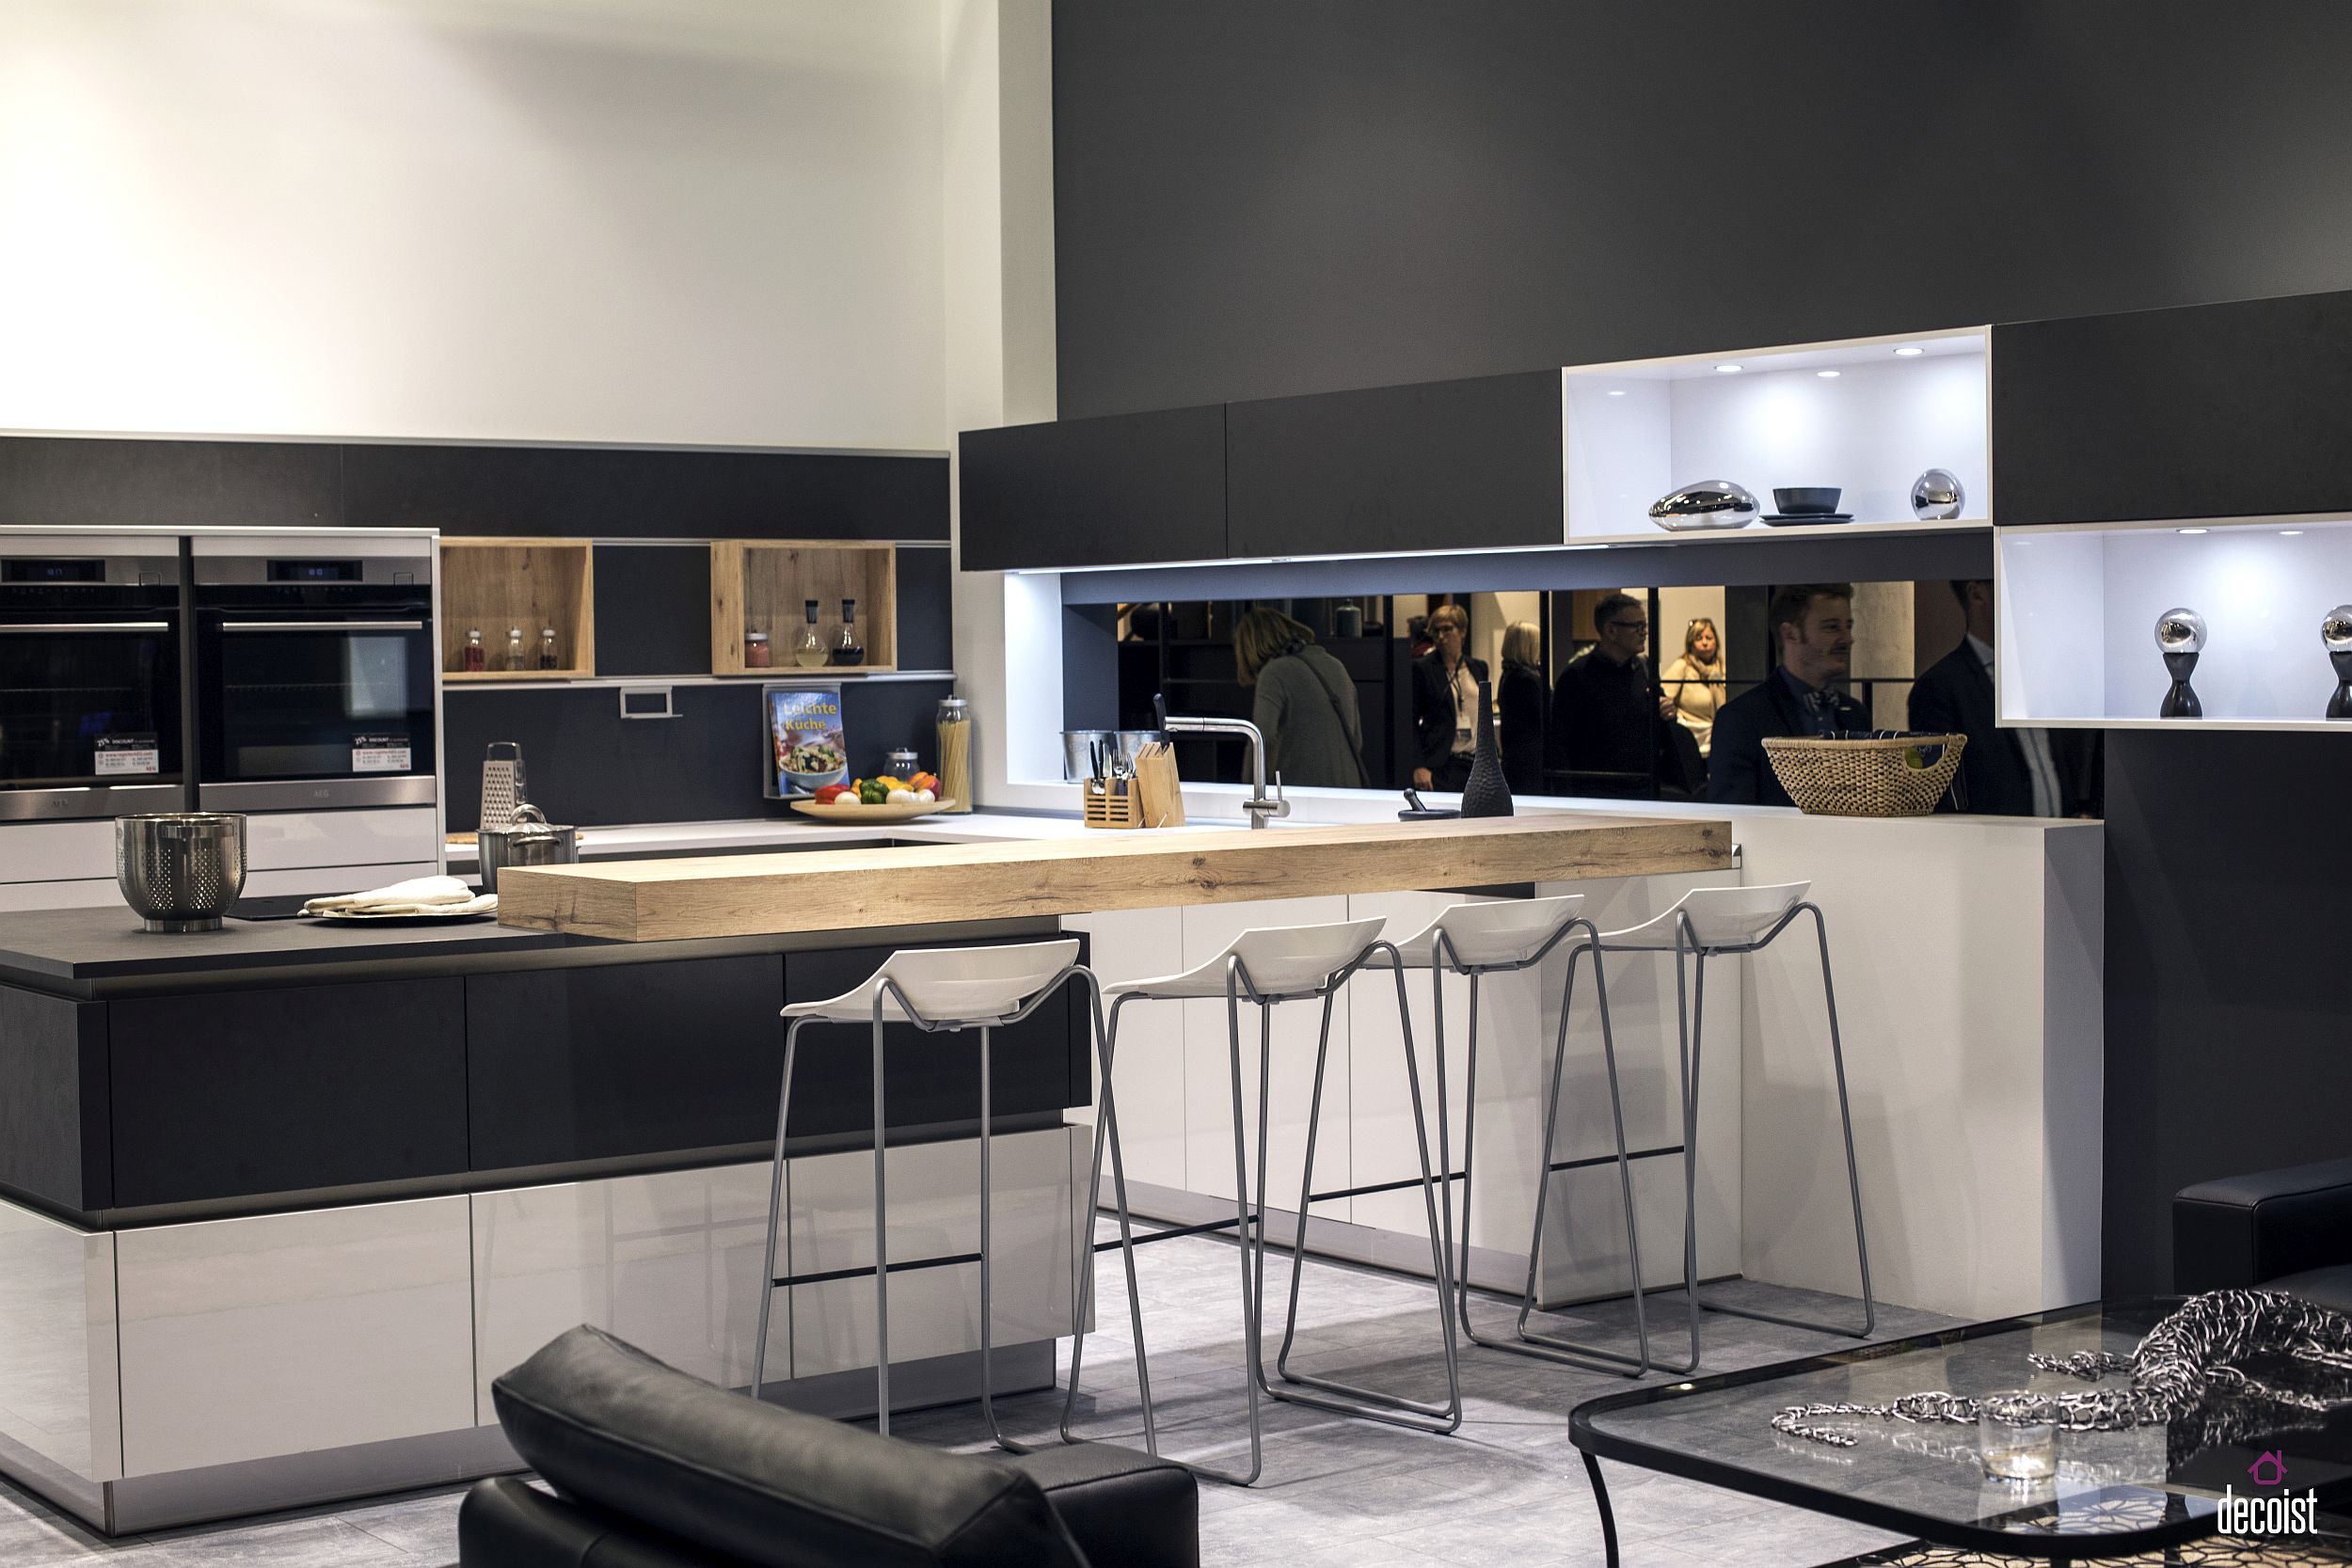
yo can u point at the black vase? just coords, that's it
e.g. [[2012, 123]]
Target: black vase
[[1486, 793]]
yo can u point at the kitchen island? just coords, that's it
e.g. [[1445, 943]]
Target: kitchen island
[[277, 1202]]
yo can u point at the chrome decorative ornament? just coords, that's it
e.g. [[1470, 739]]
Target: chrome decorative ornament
[[2335, 631], [1710, 503], [2181, 635], [1937, 495]]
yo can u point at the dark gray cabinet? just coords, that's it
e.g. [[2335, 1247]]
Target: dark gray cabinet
[[2206, 411], [1118, 490], [622, 1060], [232, 1094], [1440, 466], [55, 1137]]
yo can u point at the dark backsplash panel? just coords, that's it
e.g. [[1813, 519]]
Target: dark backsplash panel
[[653, 609], [587, 766], [570, 492], [86, 482], [645, 493]]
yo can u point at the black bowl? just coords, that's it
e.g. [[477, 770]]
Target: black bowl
[[1807, 497]]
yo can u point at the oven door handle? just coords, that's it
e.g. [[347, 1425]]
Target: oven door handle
[[27, 627], [321, 626]]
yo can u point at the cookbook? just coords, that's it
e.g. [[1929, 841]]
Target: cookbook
[[807, 748]]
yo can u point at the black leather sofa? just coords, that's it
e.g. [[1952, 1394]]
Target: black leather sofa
[[2279, 1229], [652, 1468]]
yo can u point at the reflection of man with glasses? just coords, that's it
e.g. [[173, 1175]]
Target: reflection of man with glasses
[[1812, 629], [1605, 710]]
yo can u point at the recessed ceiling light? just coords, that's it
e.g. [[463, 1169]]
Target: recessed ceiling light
[[1826, 375], [2194, 530], [1727, 370], [1909, 352], [2290, 533], [1617, 393]]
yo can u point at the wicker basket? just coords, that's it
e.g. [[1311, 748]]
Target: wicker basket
[[1865, 778]]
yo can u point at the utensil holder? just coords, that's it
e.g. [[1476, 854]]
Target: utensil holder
[[1105, 807]]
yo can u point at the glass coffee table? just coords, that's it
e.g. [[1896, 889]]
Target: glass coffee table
[[2115, 1494]]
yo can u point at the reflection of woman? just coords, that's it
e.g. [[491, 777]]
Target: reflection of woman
[[1304, 704], [1695, 682], [1445, 702], [1522, 700]]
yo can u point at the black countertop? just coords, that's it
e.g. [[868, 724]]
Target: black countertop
[[104, 951], [72, 949]]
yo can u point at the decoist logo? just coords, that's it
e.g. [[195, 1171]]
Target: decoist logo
[[2282, 1514]]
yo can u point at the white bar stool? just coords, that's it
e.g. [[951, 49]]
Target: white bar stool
[[1725, 921], [1270, 966], [938, 990], [1502, 937]]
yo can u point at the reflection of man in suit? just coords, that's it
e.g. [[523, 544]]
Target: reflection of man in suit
[[2014, 773], [1812, 632]]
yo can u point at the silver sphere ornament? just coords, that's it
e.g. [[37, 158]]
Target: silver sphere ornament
[[1937, 495], [2180, 631], [2336, 629]]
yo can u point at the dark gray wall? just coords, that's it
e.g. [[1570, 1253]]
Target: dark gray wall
[[1255, 200]]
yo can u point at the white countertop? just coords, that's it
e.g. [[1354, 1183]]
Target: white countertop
[[978, 827]]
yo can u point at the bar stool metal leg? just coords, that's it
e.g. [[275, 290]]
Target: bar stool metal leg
[[1106, 1041], [1554, 1347], [882, 1241], [775, 1209], [1845, 1118], [1368, 1403], [1253, 1249]]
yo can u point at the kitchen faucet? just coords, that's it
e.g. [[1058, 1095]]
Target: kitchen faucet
[[1259, 807]]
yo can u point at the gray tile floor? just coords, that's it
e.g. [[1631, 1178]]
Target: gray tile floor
[[1508, 1488]]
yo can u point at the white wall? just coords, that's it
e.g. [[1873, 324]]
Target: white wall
[[711, 221]]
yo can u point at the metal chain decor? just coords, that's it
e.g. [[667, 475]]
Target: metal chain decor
[[2192, 1356]]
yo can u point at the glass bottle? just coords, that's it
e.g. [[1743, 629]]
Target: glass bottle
[[476, 659], [514, 649], [757, 654], [546, 650], [809, 652], [955, 753], [846, 649]]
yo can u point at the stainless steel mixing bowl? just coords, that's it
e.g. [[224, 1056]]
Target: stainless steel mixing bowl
[[180, 869]]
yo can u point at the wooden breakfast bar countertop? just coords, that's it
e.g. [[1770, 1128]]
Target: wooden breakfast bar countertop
[[759, 895]]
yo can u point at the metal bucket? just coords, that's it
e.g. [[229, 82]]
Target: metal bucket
[[180, 869], [531, 841]]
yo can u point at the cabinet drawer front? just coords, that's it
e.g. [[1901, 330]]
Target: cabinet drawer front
[[933, 1191], [283, 1334], [586, 1063], [233, 1094]]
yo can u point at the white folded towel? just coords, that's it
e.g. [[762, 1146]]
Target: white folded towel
[[418, 895]]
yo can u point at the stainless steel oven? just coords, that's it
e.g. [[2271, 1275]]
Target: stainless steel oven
[[316, 671], [90, 696]]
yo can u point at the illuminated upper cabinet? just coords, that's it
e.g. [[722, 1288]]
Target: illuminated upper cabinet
[[1866, 418]]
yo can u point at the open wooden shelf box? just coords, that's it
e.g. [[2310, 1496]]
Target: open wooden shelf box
[[494, 584], [761, 585]]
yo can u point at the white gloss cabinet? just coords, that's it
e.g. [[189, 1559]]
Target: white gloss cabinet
[[1138, 945], [57, 1393], [669, 1262], [1208, 1068], [281, 1334], [1037, 1179]]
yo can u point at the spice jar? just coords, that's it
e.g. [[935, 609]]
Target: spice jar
[[757, 654]]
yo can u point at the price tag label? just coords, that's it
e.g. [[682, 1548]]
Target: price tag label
[[120, 755], [379, 753]]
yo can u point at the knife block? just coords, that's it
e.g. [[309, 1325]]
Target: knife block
[[1156, 784]]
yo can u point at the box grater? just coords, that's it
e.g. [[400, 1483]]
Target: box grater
[[501, 784]]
